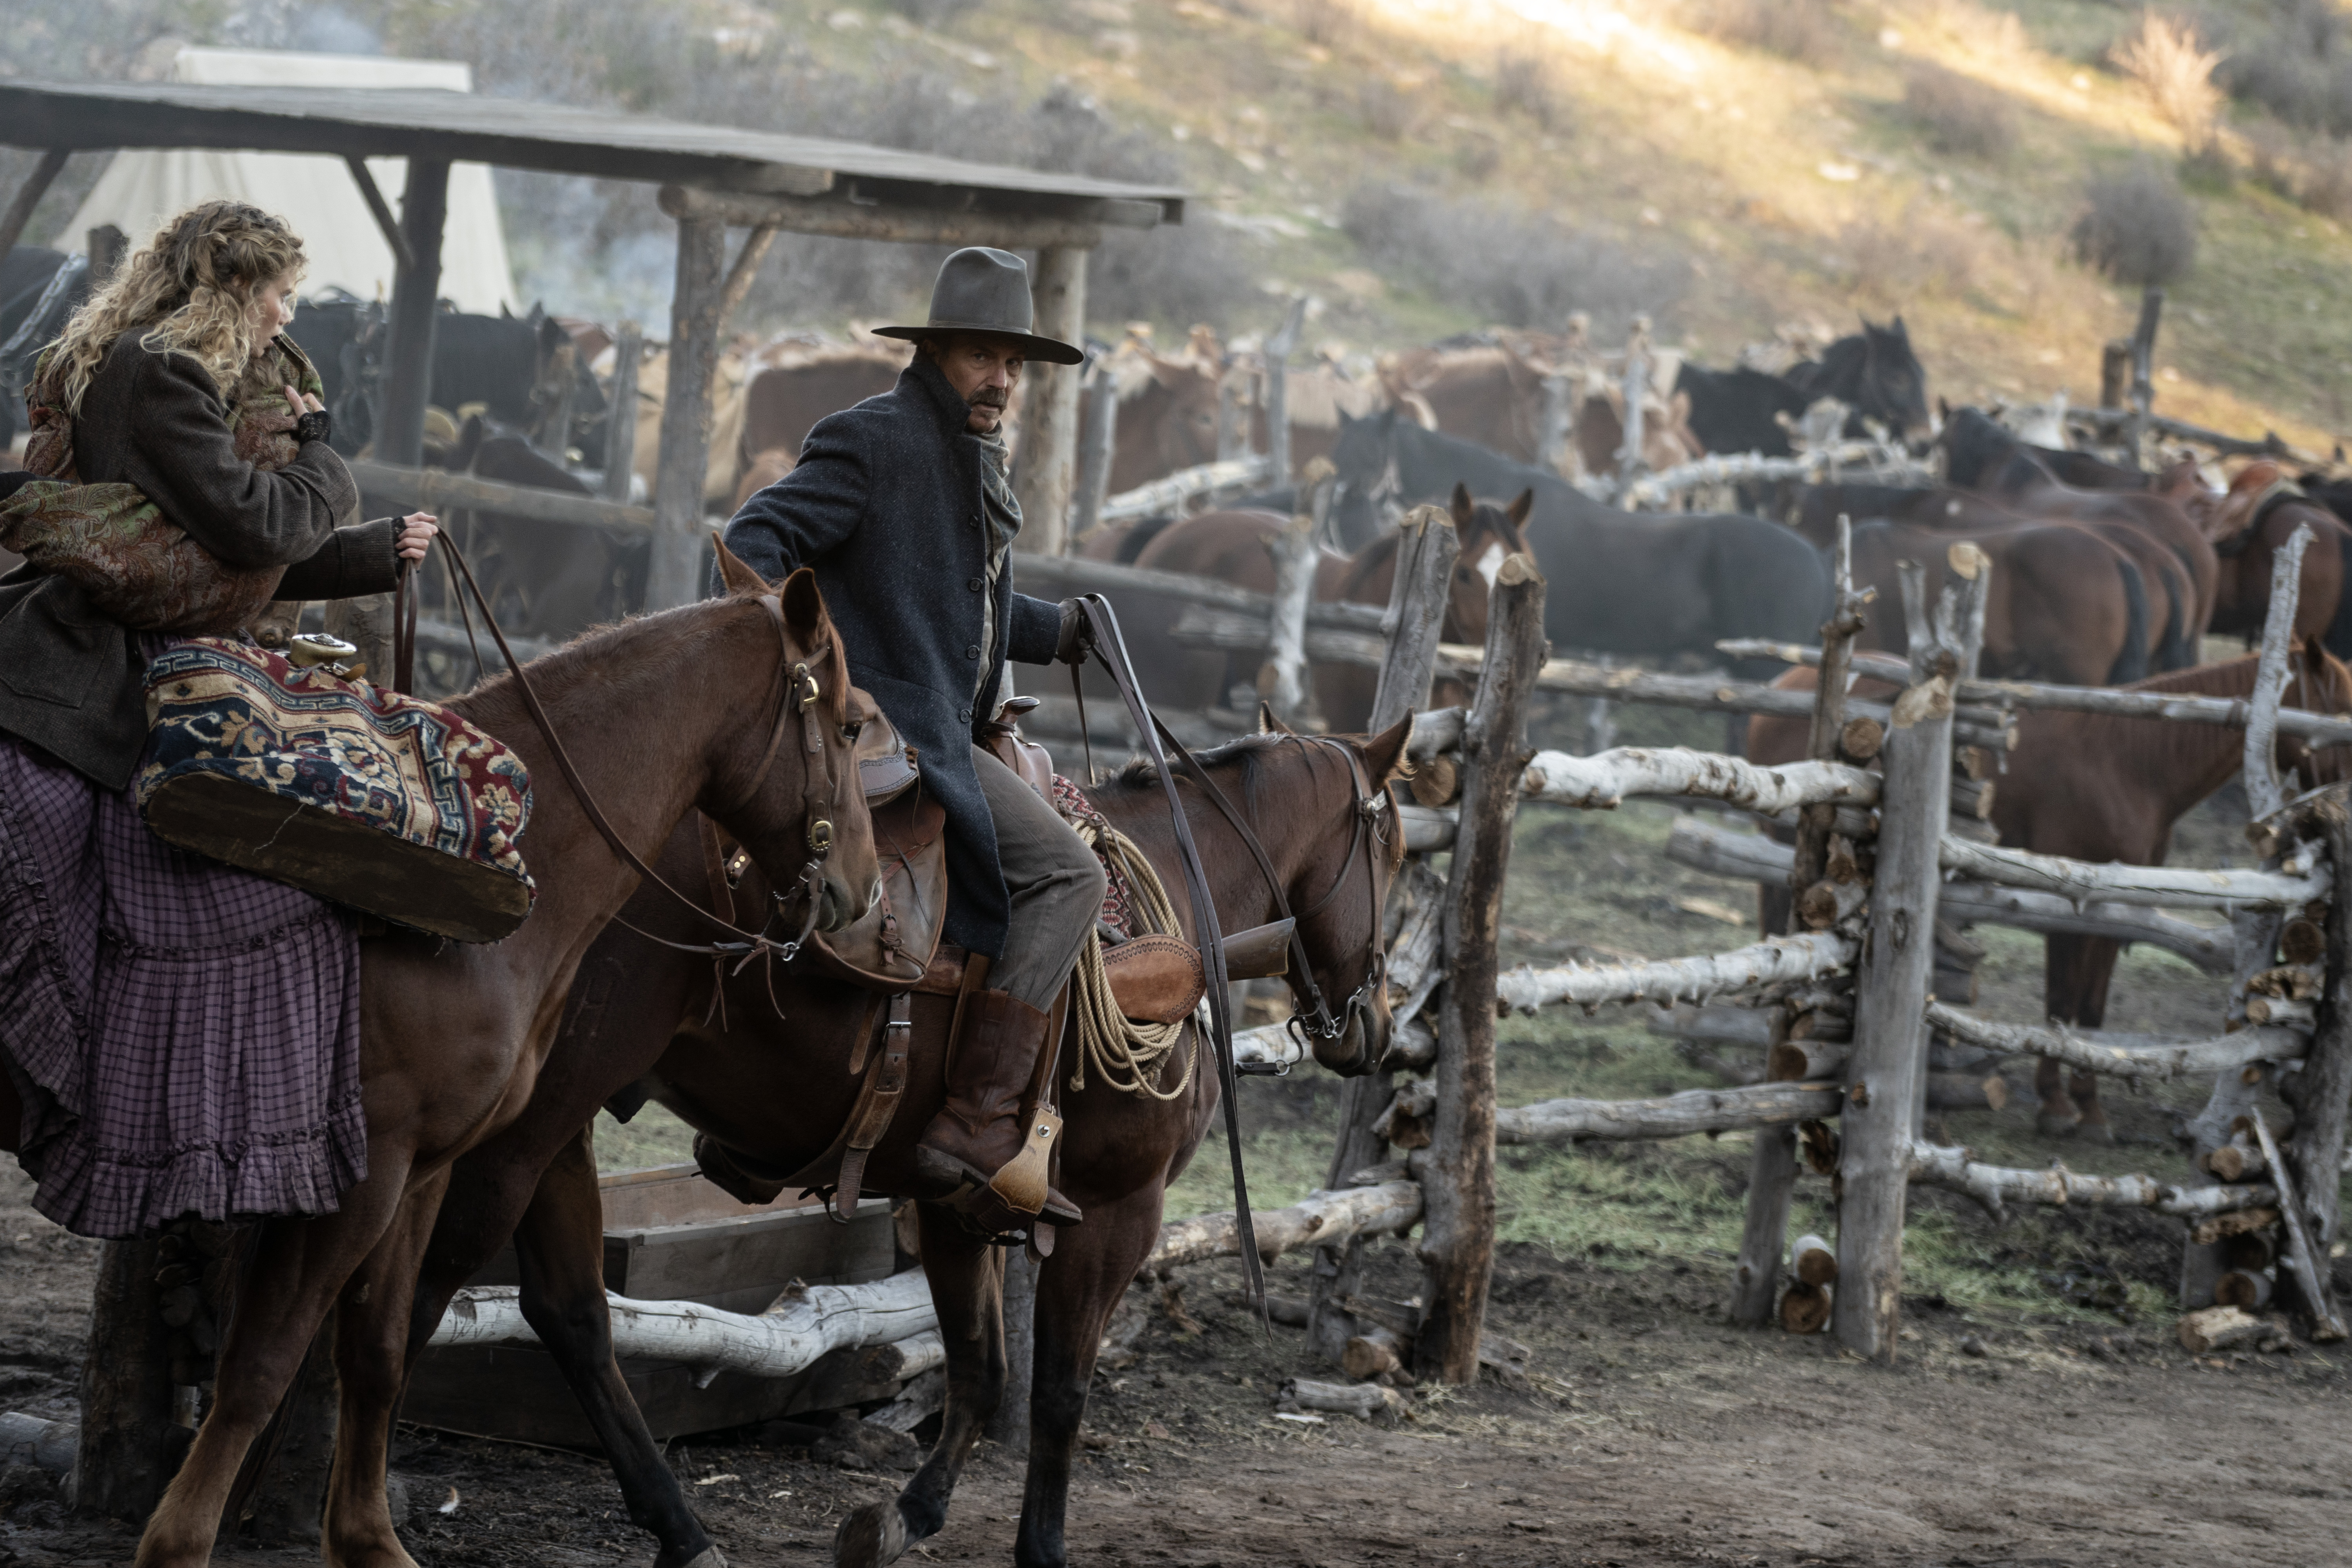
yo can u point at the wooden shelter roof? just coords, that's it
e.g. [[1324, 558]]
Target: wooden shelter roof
[[517, 134]]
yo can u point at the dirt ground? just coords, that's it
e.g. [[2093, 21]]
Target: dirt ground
[[1651, 1434], [2041, 1411]]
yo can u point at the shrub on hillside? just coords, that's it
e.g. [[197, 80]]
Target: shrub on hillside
[[1958, 114], [2137, 226], [1386, 109], [2171, 60], [1523, 81], [2294, 59], [1330, 23], [1795, 30], [1511, 266]]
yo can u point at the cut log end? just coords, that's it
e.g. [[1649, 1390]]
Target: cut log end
[[1861, 740], [1374, 1351], [2219, 1328], [1437, 782], [1813, 1261], [1805, 1308], [2243, 1288]]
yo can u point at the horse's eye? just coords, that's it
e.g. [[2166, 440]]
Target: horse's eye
[[850, 731]]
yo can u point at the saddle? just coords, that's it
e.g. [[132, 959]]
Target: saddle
[[896, 952], [2259, 485]]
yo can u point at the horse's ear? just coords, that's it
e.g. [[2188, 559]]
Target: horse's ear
[[1384, 752], [1267, 724], [803, 605], [1461, 507], [1522, 507], [739, 578]]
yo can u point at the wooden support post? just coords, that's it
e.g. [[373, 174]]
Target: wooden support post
[[621, 419], [1233, 423], [415, 295], [1457, 1244], [2306, 1256], [1283, 681], [1415, 619], [109, 247], [403, 259], [2143, 371], [1636, 383], [1010, 1424], [2115, 373], [1773, 1167], [1551, 434], [1097, 440], [1890, 1035], [1049, 407], [2254, 932], [28, 195], [675, 574], [1278, 349], [129, 1445]]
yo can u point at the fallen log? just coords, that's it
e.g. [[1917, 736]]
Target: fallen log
[[1723, 852], [1365, 1401], [2244, 1289], [1319, 1217], [916, 1404], [1813, 1261], [2303, 1254], [1375, 1352], [787, 1338], [1773, 959], [1949, 1165], [1668, 1116], [1604, 781], [2179, 886], [1805, 1308], [2219, 1328], [2116, 1054], [1966, 1091]]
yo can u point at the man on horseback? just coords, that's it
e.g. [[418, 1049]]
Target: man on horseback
[[903, 507]]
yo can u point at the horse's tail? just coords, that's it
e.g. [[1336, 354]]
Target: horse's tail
[[2338, 637], [2131, 663], [2178, 649]]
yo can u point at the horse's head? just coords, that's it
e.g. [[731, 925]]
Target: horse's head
[[785, 785], [1895, 384], [1975, 447], [2318, 682], [1490, 535], [1340, 889]]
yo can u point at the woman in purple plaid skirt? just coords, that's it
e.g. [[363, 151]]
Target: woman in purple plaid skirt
[[178, 1036]]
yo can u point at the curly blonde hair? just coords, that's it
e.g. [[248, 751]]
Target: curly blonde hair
[[188, 290]]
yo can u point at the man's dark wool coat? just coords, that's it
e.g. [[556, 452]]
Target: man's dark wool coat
[[886, 506]]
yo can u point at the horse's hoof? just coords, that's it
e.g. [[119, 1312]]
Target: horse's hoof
[[2055, 1124], [708, 1557], [2097, 1131], [873, 1537]]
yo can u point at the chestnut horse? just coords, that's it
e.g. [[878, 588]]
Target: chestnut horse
[[1232, 547], [775, 1092], [2095, 787], [655, 711], [2247, 531]]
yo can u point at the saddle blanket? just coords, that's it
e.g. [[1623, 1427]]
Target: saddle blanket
[[184, 1037]]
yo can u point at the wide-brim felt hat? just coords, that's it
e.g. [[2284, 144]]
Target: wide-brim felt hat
[[981, 289]]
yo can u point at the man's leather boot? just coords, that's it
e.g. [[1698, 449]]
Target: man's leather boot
[[979, 1148]]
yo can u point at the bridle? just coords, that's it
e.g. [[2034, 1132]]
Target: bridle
[[798, 694], [1312, 1018]]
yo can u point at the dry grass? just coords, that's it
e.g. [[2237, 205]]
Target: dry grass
[[2313, 170], [1958, 114], [1794, 29], [2170, 59], [1523, 82], [2137, 226], [1330, 23], [1386, 109]]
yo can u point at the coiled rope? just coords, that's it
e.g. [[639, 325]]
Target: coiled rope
[[1128, 1055]]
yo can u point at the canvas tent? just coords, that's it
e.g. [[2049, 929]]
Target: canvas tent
[[316, 194]]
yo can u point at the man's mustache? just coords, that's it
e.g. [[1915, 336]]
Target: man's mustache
[[988, 397]]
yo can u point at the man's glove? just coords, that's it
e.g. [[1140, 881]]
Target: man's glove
[[315, 426], [1078, 638]]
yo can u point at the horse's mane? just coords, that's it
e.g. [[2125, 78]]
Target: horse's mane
[[1139, 773]]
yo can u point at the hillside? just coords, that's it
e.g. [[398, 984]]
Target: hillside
[[1424, 167]]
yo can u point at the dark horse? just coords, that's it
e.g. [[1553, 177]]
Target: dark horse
[[2095, 787], [667, 715], [1619, 582], [1873, 373], [777, 1091]]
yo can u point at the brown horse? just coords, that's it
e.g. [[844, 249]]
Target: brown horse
[[454, 1037], [1233, 547], [2095, 787], [2248, 529], [774, 1093]]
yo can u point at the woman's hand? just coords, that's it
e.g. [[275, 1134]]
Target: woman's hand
[[302, 403], [416, 533]]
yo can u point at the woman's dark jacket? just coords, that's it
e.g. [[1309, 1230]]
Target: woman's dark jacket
[[72, 682], [886, 507]]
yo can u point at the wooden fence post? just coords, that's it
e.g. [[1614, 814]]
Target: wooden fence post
[[620, 421], [109, 247], [1890, 989], [2254, 932], [1283, 681], [1049, 410], [675, 576], [1414, 621], [129, 1444], [1552, 437], [2314, 1149], [2143, 370], [1233, 423], [409, 325], [1278, 349], [19, 210], [1457, 1244], [1097, 440], [1773, 1167], [1010, 1424], [1636, 385]]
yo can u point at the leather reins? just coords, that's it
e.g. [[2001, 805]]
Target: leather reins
[[798, 693]]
